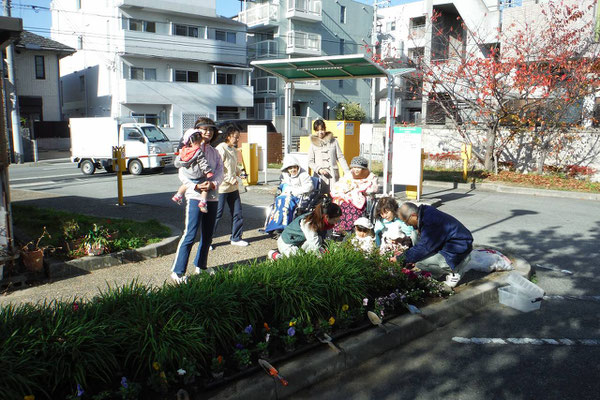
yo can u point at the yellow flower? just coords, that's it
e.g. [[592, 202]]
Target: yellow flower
[[293, 322], [345, 307], [29, 397], [162, 374], [331, 321], [156, 365]]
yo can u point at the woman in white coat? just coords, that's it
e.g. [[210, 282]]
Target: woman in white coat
[[324, 154]]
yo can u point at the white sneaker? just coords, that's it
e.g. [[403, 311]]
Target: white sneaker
[[210, 271], [241, 243], [452, 279], [210, 248], [178, 279]]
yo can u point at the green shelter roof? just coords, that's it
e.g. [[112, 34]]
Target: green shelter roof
[[350, 66]]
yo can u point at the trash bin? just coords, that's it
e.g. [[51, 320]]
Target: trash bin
[[520, 294]]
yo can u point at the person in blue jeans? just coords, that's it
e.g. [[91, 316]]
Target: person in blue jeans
[[195, 219], [229, 191]]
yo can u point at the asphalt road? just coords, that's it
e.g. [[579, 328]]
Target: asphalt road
[[553, 232]]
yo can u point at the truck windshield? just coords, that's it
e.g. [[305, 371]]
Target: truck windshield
[[154, 134]]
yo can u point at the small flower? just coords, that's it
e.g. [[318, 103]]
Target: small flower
[[181, 372], [381, 313], [331, 321], [219, 359], [393, 296], [156, 365], [79, 390], [267, 337], [365, 302], [75, 306], [425, 274], [345, 307], [293, 322], [266, 327], [163, 375], [124, 382], [248, 330], [239, 346], [291, 331]]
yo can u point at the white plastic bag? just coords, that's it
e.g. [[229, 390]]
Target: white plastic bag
[[488, 260]]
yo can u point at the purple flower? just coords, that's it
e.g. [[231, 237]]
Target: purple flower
[[248, 329], [124, 382], [291, 331], [393, 296], [239, 346], [79, 390], [365, 301]]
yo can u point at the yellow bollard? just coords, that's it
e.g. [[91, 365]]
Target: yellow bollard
[[118, 153], [465, 154], [250, 162]]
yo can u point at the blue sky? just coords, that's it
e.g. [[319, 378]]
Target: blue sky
[[36, 14]]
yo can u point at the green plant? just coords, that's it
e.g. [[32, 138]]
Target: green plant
[[217, 364], [35, 245], [352, 112], [96, 238], [289, 339], [242, 358]]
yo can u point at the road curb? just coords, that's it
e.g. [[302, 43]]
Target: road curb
[[320, 364], [495, 187], [84, 265]]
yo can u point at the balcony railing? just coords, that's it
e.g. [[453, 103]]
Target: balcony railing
[[303, 43], [265, 85], [263, 14], [307, 85], [306, 10], [263, 49]]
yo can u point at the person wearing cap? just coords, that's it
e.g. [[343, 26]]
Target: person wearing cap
[[394, 242], [295, 182], [193, 166], [195, 219], [324, 154], [351, 191], [364, 238]]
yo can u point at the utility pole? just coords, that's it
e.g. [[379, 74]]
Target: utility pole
[[374, 39], [12, 94]]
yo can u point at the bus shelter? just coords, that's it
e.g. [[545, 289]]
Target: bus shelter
[[351, 66]]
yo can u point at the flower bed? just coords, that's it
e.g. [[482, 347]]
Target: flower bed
[[138, 341]]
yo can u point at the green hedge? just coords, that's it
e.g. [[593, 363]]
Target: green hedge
[[147, 334]]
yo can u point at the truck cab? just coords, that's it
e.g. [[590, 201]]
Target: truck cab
[[92, 140]]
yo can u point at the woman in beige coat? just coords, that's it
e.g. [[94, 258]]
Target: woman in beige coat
[[324, 154]]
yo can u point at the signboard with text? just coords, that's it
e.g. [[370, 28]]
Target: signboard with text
[[406, 163]]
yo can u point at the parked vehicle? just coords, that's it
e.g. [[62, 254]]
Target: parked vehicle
[[92, 140], [242, 124]]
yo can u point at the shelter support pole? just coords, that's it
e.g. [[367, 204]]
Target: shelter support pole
[[287, 140], [389, 131]]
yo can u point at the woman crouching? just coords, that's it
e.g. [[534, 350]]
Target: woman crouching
[[307, 231]]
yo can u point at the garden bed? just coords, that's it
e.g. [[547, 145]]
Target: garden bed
[[147, 342]]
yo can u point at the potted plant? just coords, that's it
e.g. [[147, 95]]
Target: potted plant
[[242, 357], [289, 339], [95, 242], [32, 253], [217, 367]]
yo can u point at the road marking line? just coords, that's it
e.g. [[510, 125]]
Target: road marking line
[[533, 341], [570, 297], [41, 177], [22, 185]]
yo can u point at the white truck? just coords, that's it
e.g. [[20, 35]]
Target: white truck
[[92, 140]]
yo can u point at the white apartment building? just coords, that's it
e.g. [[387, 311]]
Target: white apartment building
[[165, 62], [306, 28]]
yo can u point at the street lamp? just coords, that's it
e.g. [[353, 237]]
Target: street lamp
[[343, 113], [328, 108]]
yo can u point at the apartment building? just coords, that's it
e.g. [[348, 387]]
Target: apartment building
[[306, 28], [165, 62]]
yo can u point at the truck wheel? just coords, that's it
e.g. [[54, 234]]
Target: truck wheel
[[109, 169], [135, 167], [87, 167]]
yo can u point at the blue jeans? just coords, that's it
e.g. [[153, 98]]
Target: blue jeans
[[235, 209], [194, 220]]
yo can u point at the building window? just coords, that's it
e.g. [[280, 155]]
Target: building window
[[391, 26], [189, 30], [341, 46], [225, 79], [79, 42], [146, 119], [342, 14], [418, 22], [143, 74], [186, 76], [225, 36], [40, 68], [139, 25], [341, 83], [78, 4]]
